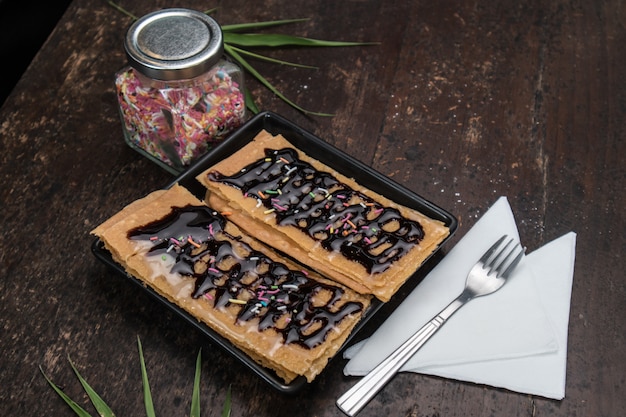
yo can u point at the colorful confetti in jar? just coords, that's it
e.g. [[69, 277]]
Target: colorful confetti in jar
[[178, 96]]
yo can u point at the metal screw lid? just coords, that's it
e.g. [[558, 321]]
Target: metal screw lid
[[174, 44]]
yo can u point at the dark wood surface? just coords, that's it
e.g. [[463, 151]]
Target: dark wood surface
[[461, 102]]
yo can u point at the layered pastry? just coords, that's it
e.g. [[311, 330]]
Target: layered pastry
[[287, 318], [320, 217]]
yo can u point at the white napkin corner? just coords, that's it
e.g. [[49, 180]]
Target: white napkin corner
[[515, 338]]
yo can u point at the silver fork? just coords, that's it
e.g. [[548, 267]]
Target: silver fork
[[487, 276]]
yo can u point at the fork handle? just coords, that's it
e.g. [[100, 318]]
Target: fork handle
[[353, 400]]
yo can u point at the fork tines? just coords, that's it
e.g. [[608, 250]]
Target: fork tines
[[503, 261]]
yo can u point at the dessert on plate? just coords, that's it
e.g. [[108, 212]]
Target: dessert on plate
[[282, 258], [323, 219], [286, 317]]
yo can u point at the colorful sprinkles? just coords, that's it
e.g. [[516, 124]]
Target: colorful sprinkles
[[257, 288], [176, 122], [339, 217]]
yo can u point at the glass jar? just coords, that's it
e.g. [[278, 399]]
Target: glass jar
[[178, 95]]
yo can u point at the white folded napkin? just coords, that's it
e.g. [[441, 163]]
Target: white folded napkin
[[515, 338]]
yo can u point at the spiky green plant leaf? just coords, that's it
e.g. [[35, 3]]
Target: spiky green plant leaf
[[250, 104], [276, 40], [147, 396], [103, 409], [233, 53], [232, 39], [195, 397], [269, 59], [75, 407], [227, 404], [121, 9], [238, 27]]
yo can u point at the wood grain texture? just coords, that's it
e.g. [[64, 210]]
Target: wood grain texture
[[461, 102]]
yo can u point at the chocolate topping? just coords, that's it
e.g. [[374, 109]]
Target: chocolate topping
[[328, 211], [299, 308]]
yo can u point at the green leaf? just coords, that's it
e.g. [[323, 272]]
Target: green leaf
[[229, 50], [227, 404], [75, 407], [103, 409], [147, 396], [231, 38], [272, 60], [121, 9], [259, 25], [250, 104], [195, 397], [275, 39]]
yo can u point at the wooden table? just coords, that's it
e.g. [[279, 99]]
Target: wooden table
[[462, 102]]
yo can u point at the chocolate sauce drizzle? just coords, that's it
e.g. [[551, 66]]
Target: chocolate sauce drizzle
[[281, 298], [330, 212]]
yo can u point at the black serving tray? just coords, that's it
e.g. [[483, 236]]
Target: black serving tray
[[325, 153]]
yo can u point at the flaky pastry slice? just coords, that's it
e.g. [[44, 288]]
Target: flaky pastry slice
[[320, 217], [284, 317]]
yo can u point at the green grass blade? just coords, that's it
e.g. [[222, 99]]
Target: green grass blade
[[259, 25], [227, 404], [195, 397], [250, 104], [147, 396], [269, 59], [275, 40], [121, 9], [229, 50], [75, 407], [103, 409]]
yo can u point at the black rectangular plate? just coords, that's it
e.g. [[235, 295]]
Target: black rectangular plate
[[315, 148]]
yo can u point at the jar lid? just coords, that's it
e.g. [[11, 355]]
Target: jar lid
[[174, 44]]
